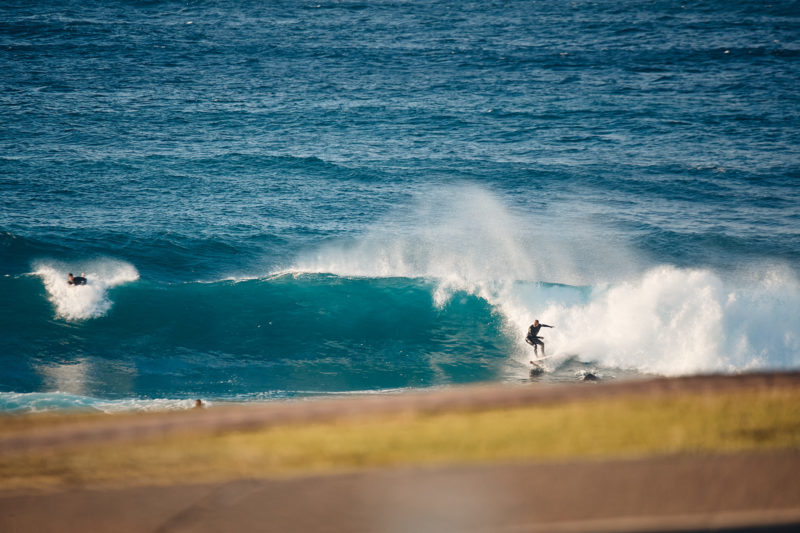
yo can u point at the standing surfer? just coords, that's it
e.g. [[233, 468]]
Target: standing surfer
[[533, 336]]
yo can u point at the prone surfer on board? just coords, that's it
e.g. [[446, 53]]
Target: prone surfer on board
[[75, 280], [533, 336]]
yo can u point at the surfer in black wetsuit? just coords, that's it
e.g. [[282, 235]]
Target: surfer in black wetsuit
[[75, 280], [533, 336]]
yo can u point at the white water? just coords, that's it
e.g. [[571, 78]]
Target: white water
[[674, 321], [33, 402], [84, 301], [654, 319]]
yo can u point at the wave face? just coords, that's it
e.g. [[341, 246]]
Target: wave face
[[440, 292], [610, 308], [297, 333]]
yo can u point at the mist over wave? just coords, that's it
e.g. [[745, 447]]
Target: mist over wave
[[469, 238], [609, 305], [84, 301]]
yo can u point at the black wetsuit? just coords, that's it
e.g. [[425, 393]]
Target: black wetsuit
[[77, 280], [533, 332]]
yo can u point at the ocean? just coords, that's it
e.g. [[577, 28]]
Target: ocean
[[281, 200]]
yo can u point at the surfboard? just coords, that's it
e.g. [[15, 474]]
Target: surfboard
[[535, 361]]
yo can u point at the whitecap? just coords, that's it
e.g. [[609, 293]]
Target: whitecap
[[84, 301]]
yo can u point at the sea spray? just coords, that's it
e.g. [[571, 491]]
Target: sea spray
[[85, 301], [674, 321], [470, 238], [662, 319], [448, 233]]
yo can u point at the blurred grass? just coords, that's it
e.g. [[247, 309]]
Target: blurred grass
[[608, 428]]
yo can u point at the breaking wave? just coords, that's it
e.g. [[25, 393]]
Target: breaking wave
[[85, 301], [608, 306]]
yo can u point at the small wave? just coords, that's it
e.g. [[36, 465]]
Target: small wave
[[84, 301], [42, 402], [38, 402]]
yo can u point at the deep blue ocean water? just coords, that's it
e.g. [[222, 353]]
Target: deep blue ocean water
[[277, 200]]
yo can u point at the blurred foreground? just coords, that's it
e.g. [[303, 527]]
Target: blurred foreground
[[690, 454]]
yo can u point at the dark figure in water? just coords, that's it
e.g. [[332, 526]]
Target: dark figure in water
[[75, 280], [533, 336]]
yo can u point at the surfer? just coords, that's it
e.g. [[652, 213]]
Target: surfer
[[76, 280], [533, 336]]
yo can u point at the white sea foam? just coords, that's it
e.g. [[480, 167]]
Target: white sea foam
[[659, 319], [84, 301], [675, 321], [33, 402]]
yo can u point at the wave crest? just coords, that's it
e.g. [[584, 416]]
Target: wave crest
[[608, 307], [84, 301]]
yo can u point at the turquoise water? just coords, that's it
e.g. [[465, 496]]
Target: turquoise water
[[275, 200]]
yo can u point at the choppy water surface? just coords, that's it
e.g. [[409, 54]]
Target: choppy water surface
[[285, 199]]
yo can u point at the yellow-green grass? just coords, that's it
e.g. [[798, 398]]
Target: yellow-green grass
[[606, 428]]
